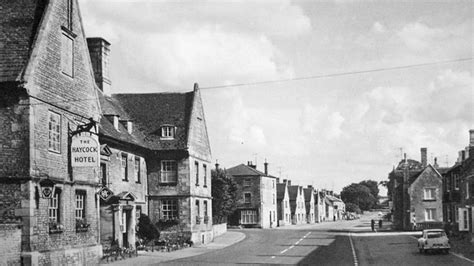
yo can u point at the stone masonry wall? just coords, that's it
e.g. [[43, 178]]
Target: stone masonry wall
[[14, 134], [10, 246], [427, 179]]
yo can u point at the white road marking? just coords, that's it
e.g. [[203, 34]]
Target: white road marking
[[292, 246], [273, 257], [353, 250]]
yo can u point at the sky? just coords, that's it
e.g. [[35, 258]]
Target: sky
[[323, 131]]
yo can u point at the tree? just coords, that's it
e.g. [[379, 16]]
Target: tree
[[224, 195], [351, 207], [373, 186], [359, 195], [146, 230]]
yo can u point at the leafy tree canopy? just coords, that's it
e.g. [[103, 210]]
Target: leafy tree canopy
[[224, 196], [359, 195], [373, 186]]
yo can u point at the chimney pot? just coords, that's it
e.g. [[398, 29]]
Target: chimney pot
[[289, 182]]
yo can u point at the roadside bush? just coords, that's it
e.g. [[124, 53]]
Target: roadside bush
[[351, 207], [146, 230]]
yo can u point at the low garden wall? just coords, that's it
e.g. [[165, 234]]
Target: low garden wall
[[219, 229]]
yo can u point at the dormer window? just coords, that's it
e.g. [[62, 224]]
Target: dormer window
[[168, 132]]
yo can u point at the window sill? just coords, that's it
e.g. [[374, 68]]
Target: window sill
[[168, 184], [166, 138], [54, 151], [81, 230], [204, 186], [55, 231], [429, 199]]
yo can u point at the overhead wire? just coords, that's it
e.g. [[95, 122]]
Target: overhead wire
[[338, 74]]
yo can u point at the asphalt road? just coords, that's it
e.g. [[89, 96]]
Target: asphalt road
[[322, 244]]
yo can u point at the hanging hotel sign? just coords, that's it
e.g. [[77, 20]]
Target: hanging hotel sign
[[84, 151], [105, 193]]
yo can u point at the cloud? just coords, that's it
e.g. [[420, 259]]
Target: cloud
[[321, 122], [169, 44], [378, 27]]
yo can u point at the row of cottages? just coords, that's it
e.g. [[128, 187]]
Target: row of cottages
[[79, 165], [263, 201], [416, 191], [458, 192]]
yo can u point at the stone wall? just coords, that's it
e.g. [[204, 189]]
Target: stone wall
[[14, 132], [418, 204], [10, 246], [219, 229]]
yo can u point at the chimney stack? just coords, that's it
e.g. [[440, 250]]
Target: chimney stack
[[289, 182], [424, 158], [266, 167], [463, 155], [217, 165], [278, 180], [250, 164], [471, 138], [99, 51], [285, 181], [436, 163]]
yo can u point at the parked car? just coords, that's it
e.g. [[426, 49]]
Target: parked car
[[433, 239]]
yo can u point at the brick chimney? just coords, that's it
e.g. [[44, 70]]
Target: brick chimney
[[266, 167], [288, 182], [99, 51], [424, 158], [217, 165], [471, 138], [250, 164]]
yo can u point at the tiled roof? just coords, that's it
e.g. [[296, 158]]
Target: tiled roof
[[281, 191], [106, 127], [151, 111], [308, 193], [19, 20], [244, 170], [293, 192]]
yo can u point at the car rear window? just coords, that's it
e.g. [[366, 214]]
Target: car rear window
[[436, 234]]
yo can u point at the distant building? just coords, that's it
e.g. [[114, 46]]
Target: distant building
[[309, 204], [338, 206], [283, 204], [417, 194], [257, 196], [320, 202], [297, 203]]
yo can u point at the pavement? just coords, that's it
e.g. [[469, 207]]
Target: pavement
[[152, 258]]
